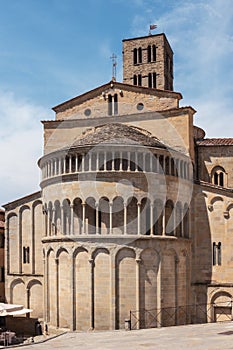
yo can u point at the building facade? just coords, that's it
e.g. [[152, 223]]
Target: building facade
[[2, 262], [135, 206]]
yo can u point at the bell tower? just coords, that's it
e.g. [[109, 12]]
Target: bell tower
[[148, 62]]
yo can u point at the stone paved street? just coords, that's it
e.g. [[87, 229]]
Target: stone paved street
[[205, 337]]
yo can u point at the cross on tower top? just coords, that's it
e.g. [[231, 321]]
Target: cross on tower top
[[114, 64]]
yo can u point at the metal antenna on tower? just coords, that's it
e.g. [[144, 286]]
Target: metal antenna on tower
[[114, 64]]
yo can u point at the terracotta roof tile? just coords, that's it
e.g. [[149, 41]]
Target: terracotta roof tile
[[216, 142], [116, 133]]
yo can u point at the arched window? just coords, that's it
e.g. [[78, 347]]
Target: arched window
[[149, 53], [112, 104], [139, 80], [135, 80], [135, 56], [152, 80], [109, 104], [115, 104], [219, 176], [140, 55], [154, 52]]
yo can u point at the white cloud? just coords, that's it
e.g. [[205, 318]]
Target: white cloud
[[201, 35], [20, 145]]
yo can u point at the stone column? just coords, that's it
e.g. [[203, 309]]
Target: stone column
[[159, 296], [55, 166], [128, 168], [136, 161], [59, 166], [83, 160], [90, 157], [46, 292], [70, 163], [182, 222], [139, 218], [72, 296], [97, 161], [62, 219], [110, 218], [76, 162], [48, 168], [71, 219], [64, 165], [113, 292], [113, 162], [57, 291], [121, 161], [138, 262], [125, 218], [97, 219], [84, 217], [163, 222], [92, 308], [105, 161], [151, 218]]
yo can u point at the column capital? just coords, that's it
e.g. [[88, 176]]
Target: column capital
[[138, 261]]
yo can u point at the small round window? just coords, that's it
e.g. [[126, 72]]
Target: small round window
[[87, 112], [140, 106]]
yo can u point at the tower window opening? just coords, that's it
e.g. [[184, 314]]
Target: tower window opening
[[154, 52], [218, 176], [152, 80], [112, 104], [217, 253], [137, 79], [115, 104], [149, 53], [137, 55], [26, 255], [140, 55], [109, 104]]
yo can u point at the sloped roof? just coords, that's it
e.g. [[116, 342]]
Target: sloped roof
[[116, 133], [114, 84], [216, 142]]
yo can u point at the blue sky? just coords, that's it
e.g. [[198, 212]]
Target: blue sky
[[53, 50]]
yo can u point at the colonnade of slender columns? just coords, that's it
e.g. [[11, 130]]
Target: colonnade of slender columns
[[115, 161], [148, 219]]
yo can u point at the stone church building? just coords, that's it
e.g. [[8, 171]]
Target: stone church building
[[135, 207]]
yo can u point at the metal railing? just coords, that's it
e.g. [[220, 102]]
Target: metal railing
[[181, 315]]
